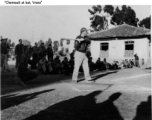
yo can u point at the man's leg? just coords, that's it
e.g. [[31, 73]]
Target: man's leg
[[136, 63], [86, 69], [78, 61]]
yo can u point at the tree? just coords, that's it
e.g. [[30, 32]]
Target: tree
[[109, 9], [101, 19], [146, 22], [117, 16], [126, 15], [98, 19]]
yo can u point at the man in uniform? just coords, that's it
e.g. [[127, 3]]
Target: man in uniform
[[81, 45]]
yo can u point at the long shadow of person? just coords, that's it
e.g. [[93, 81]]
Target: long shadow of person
[[106, 110], [12, 100], [144, 110], [81, 108], [94, 78], [102, 75]]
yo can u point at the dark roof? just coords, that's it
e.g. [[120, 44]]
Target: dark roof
[[121, 31]]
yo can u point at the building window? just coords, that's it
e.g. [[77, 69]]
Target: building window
[[104, 50], [129, 48]]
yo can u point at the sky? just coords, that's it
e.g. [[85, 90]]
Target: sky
[[42, 22]]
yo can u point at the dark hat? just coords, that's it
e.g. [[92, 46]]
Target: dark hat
[[83, 29]]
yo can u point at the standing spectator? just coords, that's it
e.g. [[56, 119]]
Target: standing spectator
[[4, 53], [23, 72], [19, 50], [42, 50], [50, 52], [136, 60], [35, 58]]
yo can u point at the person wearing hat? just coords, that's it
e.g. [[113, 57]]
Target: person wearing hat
[[81, 45]]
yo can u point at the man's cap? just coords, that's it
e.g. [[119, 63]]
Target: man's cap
[[83, 29]]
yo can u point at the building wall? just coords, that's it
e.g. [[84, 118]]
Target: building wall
[[95, 50], [142, 48], [117, 49]]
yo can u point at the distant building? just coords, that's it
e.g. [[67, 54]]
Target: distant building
[[121, 42]]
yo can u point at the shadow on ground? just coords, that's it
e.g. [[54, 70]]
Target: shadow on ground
[[81, 108], [144, 110], [94, 78], [12, 100], [8, 85]]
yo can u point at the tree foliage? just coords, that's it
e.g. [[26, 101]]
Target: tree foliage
[[109, 9], [126, 15], [95, 19], [146, 22], [118, 16]]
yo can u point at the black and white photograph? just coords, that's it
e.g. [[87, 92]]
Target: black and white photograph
[[75, 61]]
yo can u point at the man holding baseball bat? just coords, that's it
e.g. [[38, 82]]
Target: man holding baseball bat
[[81, 45]]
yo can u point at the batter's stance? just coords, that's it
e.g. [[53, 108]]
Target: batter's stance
[[81, 45]]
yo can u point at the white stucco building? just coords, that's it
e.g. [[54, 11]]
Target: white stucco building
[[120, 43]]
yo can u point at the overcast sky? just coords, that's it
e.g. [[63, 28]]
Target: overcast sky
[[41, 22]]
